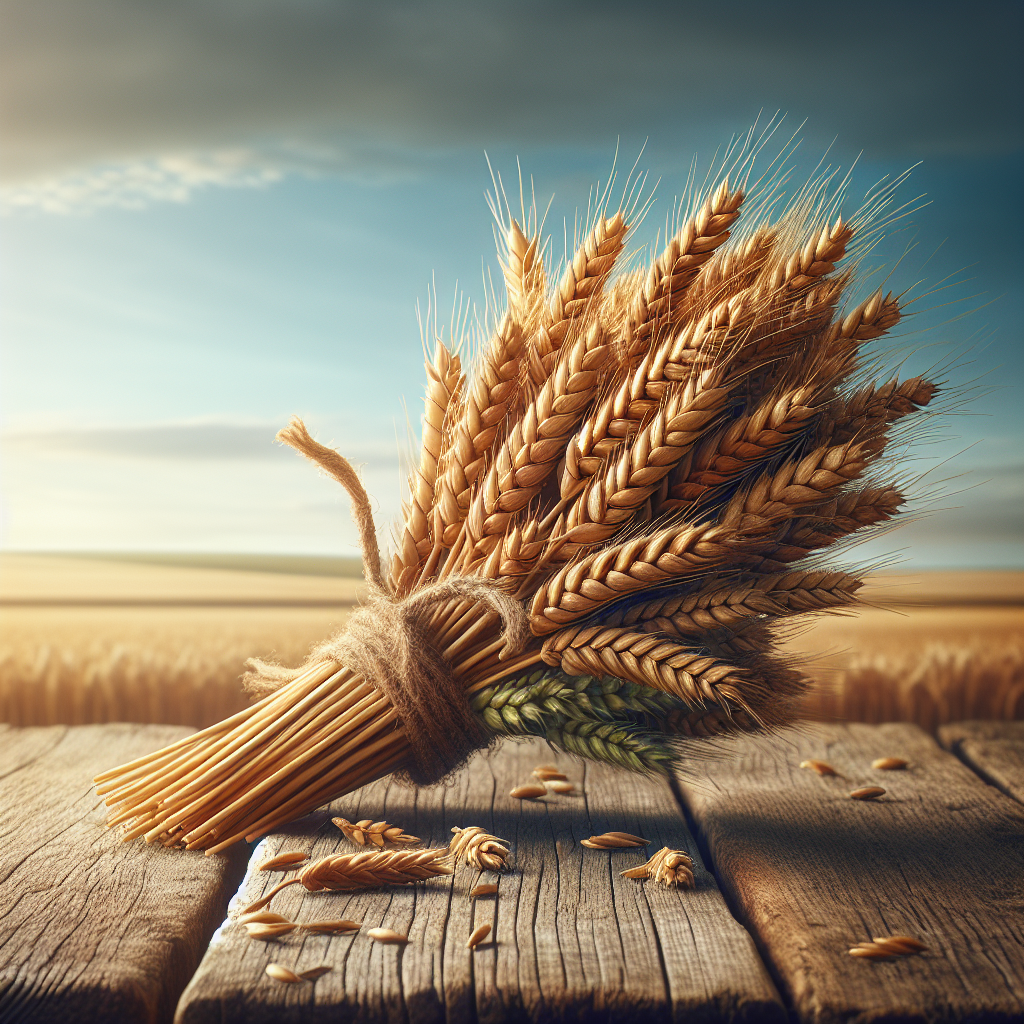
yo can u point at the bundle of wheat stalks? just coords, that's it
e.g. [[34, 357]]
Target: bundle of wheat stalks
[[637, 468]]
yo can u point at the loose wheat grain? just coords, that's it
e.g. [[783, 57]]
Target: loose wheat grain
[[279, 973], [867, 793]]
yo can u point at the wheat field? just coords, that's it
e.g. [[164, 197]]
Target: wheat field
[[93, 640]]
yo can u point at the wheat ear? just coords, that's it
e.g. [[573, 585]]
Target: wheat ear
[[374, 833], [578, 290], [528, 455], [485, 410], [660, 296], [733, 449], [368, 870], [444, 379], [645, 659], [716, 607], [523, 270], [479, 849]]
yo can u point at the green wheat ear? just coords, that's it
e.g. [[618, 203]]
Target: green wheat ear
[[605, 719]]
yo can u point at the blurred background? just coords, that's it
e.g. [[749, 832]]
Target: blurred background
[[219, 214]]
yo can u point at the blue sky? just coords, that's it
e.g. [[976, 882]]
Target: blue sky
[[216, 215]]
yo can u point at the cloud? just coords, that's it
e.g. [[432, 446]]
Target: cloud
[[368, 89], [177, 441], [173, 178]]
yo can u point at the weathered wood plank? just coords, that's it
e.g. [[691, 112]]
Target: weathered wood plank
[[812, 872], [92, 929], [574, 941], [995, 750]]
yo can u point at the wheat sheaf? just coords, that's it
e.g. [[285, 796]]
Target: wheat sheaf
[[637, 477]]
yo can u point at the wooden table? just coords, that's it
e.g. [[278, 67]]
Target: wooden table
[[790, 873]]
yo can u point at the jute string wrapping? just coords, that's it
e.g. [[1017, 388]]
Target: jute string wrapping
[[389, 642]]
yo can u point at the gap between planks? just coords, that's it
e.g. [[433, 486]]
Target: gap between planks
[[812, 872]]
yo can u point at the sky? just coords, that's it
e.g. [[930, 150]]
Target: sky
[[219, 214]]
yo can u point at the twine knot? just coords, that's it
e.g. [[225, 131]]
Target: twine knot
[[389, 642]]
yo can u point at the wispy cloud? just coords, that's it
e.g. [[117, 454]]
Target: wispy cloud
[[171, 178], [178, 441]]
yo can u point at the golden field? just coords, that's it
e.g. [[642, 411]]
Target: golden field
[[95, 640]]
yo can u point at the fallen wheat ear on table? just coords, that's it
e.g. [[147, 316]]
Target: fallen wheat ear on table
[[615, 506]]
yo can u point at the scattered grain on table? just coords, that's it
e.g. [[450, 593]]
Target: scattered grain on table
[[279, 973], [867, 793], [614, 841], [530, 791]]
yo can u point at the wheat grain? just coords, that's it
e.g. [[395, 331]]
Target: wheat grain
[[562, 788], [388, 937], [614, 841], [264, 901], [888, 764], [375, 833], [820, 767], [487, 889], [478, 935], [907, 942], [338, 927], [529, 791], [279, 973], [885, 948], [867, 793], [269, 929], [546, 773], [261, 917]]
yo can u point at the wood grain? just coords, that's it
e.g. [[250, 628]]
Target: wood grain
[[812, 872], [92, 929], [995, 750], [571, 939]]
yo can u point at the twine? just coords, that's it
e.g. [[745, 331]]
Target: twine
[[388, 640]]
